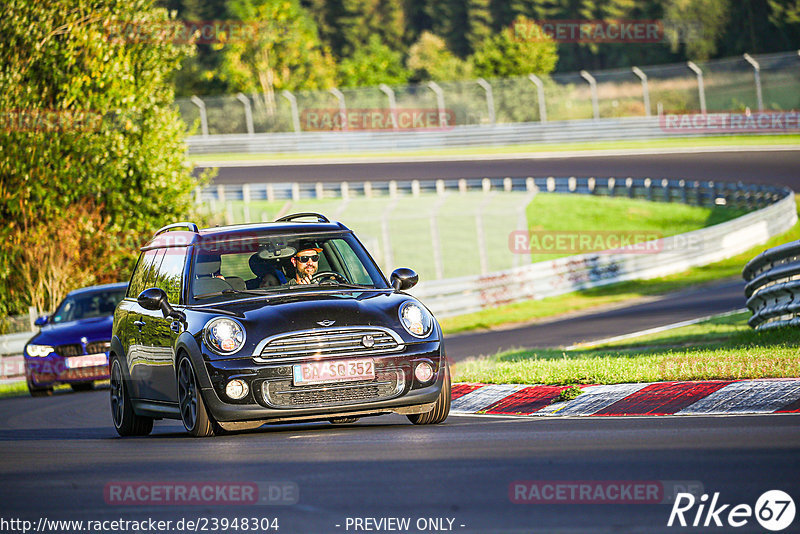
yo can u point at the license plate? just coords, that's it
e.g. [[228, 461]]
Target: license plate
[[333, 371], [90, 360]]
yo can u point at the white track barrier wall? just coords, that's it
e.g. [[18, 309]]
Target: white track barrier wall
[[564, 275]]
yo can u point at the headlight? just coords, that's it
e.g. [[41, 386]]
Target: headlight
[[224, 336], [38, 351], [416, 319]]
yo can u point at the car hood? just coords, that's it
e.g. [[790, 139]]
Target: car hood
[[94, 329], [307, 311]]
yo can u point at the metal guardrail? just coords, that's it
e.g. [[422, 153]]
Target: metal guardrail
[[773, 287], [458, 136]]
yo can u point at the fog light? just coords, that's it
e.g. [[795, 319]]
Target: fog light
[[236, 389], [423, 372]]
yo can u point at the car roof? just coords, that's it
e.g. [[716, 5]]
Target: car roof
[[103, 287], [192, 236]]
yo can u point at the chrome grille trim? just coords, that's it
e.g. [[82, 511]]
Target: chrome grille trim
[[332, 342]]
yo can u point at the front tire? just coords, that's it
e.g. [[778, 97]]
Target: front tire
[[442, 407], [38, 391], [126, 422], [193, 410]]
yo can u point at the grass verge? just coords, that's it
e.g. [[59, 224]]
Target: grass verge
[[522, 312], [720, 141], [720, 348]]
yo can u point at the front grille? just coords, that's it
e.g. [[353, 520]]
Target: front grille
[[69, 350], [388, 383], [330, 342], [96, 347]]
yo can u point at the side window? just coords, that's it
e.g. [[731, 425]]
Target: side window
[[139, 278], [170, 274], [152, 270], [355, 269]]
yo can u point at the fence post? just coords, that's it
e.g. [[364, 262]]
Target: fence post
[[757, 74], [248, 112], [540, 89], [392, 103], [295, 114], [489, 99], [593, 86], [342, 107], [203, 116], [645, 89], [700, 87], [439, 102]]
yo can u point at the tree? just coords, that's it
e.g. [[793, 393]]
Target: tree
[[518, 51], [711, 15], [91, 148], [284, 53], [372, 65], [430, 59]]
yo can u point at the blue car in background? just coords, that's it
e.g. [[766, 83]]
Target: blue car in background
[[72, 345]]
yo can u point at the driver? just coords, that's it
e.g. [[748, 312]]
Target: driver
[[306, 263]]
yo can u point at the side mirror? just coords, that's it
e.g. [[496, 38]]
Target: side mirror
[[403, 278], [41, 321], [154, 299]]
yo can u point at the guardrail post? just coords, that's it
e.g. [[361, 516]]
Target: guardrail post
[[248, 112], [648, 190], [203, 116], [392, 189], [368, 189], [270, 193], [593, 86], [700, 88], [540, 90], [645, 89], [665, 186], [462, 185], [439, 102], [295, 191], [699, 192], [757, 74], [551, 184], [293, 105], [345, 190], [415, 190], [592, 184], [246, 193], [629, 186], [319, 190], [440, 187], [198, 195], [221, 192], [342, 107], [572, 184], [389, 92], [489, 99], [508, 185], [486, 185], [684, 193], [611, 184], [530, 184]]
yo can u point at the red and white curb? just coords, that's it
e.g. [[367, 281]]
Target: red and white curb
[[712, 397]]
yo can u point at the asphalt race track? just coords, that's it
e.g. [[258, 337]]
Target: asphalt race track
[[779, 167], [668, 309], [60, 457]]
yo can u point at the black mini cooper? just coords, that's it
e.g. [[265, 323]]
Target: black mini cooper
[[232, 327]]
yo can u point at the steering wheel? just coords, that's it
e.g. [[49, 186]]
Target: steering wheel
[[330, 275]]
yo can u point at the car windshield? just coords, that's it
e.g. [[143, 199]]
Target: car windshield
[[255, 265], [88, 305]]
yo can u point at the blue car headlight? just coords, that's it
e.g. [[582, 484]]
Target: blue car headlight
[[38, 351]]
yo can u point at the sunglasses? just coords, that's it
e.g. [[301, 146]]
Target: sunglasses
[[304, 259]]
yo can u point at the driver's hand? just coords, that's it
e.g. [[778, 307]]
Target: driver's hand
[[304, 280]]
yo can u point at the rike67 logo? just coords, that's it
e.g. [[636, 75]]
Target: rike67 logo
[[774, 510]]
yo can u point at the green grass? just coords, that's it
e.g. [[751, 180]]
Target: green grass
[[721, 348], [721, 141], [14, 389], [533, 310]]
